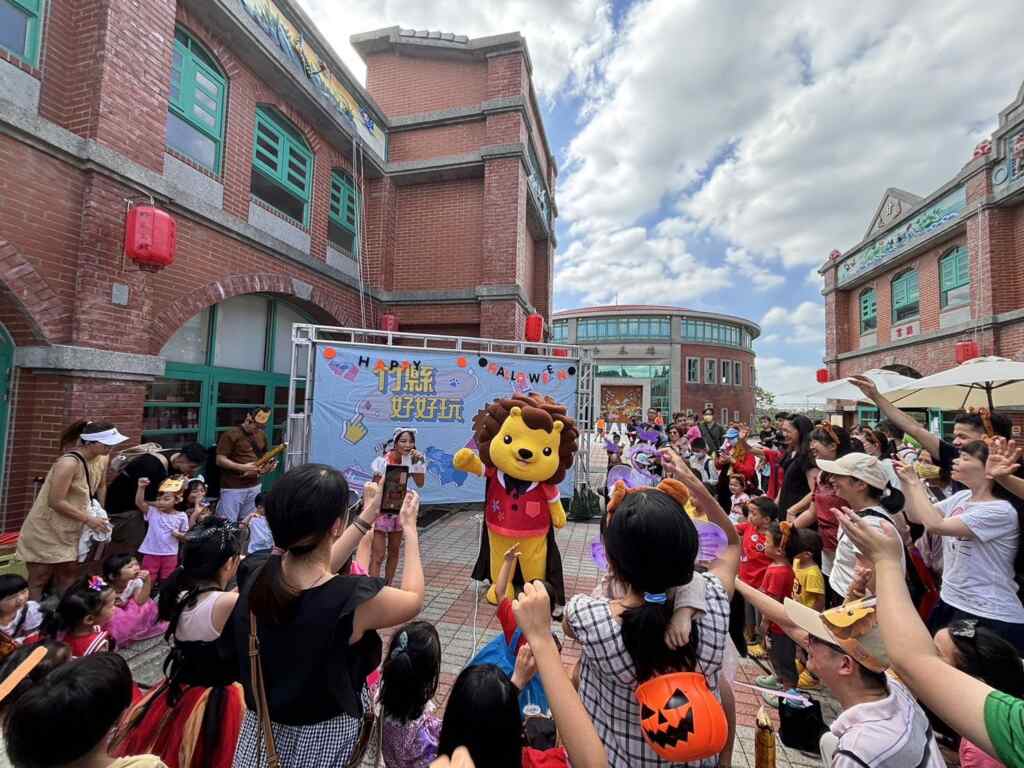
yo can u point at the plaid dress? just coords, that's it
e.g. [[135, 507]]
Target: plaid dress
[[608, 677]]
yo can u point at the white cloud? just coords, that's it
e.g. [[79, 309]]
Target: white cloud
[[802, 325], [629, 266], [776, 375], [566, 40], [751, 270], [779, 130]]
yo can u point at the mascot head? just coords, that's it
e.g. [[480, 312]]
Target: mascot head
[[527, 437]]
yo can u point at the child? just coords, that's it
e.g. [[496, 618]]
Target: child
[[702, 464], [804, 549], [82, 612], [20, 618], [135, 612], [56, 655], [409, 681], [64, 719], [260, 537], [195, 504], [761, 512], [167, 526], [778, 584], [740, 497]]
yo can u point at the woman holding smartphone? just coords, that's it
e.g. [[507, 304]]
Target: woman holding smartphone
[[387, 530]]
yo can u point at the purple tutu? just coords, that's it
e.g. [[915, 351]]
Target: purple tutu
[[133, 622], [387, 523]]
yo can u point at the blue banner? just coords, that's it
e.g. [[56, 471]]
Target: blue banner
[[362, 394]]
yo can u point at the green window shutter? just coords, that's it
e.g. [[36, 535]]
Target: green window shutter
[[344, 207], [963, 267], [947, 272], [198, 92], [912, 295], [278, 155]]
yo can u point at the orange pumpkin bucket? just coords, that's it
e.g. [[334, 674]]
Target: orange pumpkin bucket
[[680, 717]]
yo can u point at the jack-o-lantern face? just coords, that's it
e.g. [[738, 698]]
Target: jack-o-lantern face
[[681, 719], [670, 723]]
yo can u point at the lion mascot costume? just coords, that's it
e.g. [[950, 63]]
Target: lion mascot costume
[[527, 443]]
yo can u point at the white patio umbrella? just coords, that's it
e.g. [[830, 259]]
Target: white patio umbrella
[[842, 389], [983, 382]]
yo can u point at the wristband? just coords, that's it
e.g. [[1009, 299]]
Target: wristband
[[361, 524]]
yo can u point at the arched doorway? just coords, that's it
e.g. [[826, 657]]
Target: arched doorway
[[6, 392], [222, 363]]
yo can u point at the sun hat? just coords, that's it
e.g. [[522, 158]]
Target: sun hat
[[853, 627], [106, 437], [857, 465]]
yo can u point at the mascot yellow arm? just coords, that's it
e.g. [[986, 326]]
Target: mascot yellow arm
[[557, 513], [466, 460]]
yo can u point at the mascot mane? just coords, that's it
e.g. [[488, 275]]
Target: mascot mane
[[539, 412]]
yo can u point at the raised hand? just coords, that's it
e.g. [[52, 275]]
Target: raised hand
[[1003, 458], [526, 667], [512, 553], [907, 474], [372, 497], [532, 610], [410, 510], [867, 386]]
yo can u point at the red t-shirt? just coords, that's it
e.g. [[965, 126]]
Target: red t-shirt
[[825, 499], [518, 514], [508, 623], [778, 584], [753, 560]]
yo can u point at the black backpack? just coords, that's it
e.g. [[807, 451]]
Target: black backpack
[[212, 473]]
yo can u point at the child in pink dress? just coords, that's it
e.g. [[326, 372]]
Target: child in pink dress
[[135, 612]]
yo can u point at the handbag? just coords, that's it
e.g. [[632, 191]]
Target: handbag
[[801, 727], [260, 693]]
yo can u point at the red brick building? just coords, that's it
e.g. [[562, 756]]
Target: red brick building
[[298, 196], [935, 270], [668, 358]]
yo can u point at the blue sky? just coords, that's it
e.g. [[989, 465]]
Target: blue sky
[[712, 153]]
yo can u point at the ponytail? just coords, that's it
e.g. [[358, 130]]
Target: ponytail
[[892, 500], [271, 597], [643, 634], [72, 433]]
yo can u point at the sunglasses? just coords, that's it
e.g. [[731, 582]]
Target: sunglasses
[[965, 628]]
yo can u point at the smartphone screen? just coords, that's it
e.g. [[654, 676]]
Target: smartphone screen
[[396, 478]]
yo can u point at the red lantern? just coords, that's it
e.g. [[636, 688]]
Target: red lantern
[[822, 375], [149, 237], [535, 328], [561, 352], [966, 350], [389, 323]]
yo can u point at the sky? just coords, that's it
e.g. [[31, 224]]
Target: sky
[[712, 153]]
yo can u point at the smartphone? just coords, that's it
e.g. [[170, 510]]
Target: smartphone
[[396, 479]]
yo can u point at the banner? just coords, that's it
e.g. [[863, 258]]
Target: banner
[[362, 394]]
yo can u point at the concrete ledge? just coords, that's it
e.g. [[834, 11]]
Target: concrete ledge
[[88, 361], [466, 296], [201, 186], [19, 86]]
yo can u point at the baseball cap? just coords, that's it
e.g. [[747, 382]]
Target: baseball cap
[[853, 627], [106, 437], [857, 465]]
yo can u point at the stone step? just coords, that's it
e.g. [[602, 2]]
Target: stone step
[[145, 659]]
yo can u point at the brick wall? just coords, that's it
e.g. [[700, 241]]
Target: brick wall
[[436, 142], [406, 85], [695, 395]]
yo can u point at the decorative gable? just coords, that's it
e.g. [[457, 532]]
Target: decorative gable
[[896, 203]]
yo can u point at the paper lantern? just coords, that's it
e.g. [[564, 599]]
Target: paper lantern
[[822, 375], [389, 322], [561, 352], [150, 237], [966, 350], [535, 328]]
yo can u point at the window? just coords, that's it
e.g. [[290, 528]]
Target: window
[[624, 328], [868, 310], [726, 373], [954, 278], [725, 416], [20, 28], [195, 115], [710, 371], [715, 333], [737, 374], [753, 376], [904, 296], [693, 370], [282, 166], [735, 415], [344, 213], [560, 331]]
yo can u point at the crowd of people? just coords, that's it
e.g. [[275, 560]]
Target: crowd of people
[[881, 564]]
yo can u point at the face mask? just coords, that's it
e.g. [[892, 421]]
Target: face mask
[[708, 418]]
